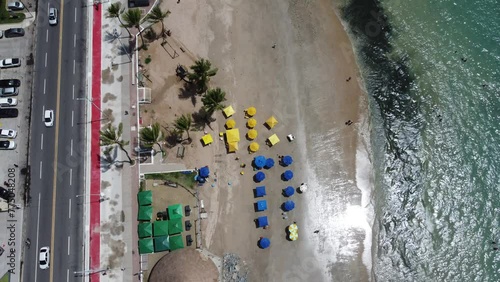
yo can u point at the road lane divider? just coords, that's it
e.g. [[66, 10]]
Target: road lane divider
[[69, 209], [44, 85], [74, 39], [70, 176], [37, 230], [72, 122], [71, 148], [47, 36], [45, 59], [69, 243], [41, 166], [41, 142]]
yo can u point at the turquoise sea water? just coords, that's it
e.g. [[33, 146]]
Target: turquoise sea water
[[432, 71]]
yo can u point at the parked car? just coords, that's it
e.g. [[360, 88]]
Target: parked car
[[10, 63], [8, 133], [52, 16], [14, 32], [8, 113], [15, 6], [48, 118], [9, 91], [1, 33], [7, 145], [8, 102], [10, 82], [6, 194], [44, 257]]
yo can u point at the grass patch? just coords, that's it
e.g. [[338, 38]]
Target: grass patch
[[5, 278], [183, 179], [6, 17]]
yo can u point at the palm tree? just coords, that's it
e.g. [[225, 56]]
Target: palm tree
[[157, 15], [152, 135], [212, 101], [132, 18], [183, 123], [111, 136], [115, 11], [202, 71]]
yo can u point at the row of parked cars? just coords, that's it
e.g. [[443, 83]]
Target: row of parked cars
[[8, 88]]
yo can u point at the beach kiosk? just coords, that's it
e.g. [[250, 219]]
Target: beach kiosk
[[229, 111]]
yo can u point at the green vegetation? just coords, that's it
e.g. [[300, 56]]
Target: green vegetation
[[183, 124], [112, 136], [5, 278], [6, 17], [148, 60], [185, 180], [200, 77]]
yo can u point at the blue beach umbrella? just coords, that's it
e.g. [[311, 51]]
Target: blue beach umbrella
[[260, 191], [262, 221], [259, 176], [287, 160], [287, 175], [289, 191], [264, 243], [204, 172], [288, 205], [261, 205], [259, 161], [269, 163]]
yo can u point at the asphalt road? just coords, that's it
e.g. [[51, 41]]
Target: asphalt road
[[57, 153]]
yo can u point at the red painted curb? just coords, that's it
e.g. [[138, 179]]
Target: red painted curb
[[95, 181]]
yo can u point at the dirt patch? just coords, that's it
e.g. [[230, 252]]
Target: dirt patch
[[109, 97]]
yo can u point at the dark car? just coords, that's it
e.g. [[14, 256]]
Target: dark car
[[6, 194], [8, 113], [14, 32], [4, 83]]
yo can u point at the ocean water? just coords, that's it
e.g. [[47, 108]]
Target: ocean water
[[432, 72]]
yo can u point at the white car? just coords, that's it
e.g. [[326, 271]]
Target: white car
[[44, 258], [8, 102], [7, 145], [10, 63], [48, 118], [52, 16], [15, 6], [8, 133]]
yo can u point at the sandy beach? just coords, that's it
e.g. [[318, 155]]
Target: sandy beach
[[304, 82]]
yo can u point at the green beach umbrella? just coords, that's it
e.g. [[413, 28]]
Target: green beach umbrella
[[162, 243], [145, 198], [174, 226], [145, 213], [160, 228], [144, 229], [146, 246], [175, 211], [176, 242]]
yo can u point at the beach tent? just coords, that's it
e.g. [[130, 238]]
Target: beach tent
[[264, 243], [204, 172], [288, 205], [271, 122], [260, 191], [174, 226], [175, 211], [176, 242], [262, 221], [252, 134], [228, 111], [160, 228], [251, 111], [287, 160], [230, 123], [207, 139], [259, 176], [251, 123], [162, 244], [289, 191], [232, 147], [254, 147], [273, 139], [303, 187], [145, 213], [146, 246], [269, 163], [233, 135], [287, 175], [145, 229], [259, 161], [145, 198], [261, 205]]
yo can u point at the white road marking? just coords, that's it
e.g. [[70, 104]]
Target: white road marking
[[41, 165], [37, 232], [71, 148], [75, 14], [67, 275], [74, 65], [74, 40], [73, 92], [44, 85], [47, 36], [41, 143], [69, 215], [45, 59], [72, 118], [70, 176], [69, 241]]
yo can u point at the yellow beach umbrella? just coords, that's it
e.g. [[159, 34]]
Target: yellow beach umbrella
[[252, 134], [228, 111], [233, 135], [232, 147], [251, 111], [293, 228], [230, 123], [207, 139], [254, 147], [273, 139], [294, 236], [271, 122], [251, 123]]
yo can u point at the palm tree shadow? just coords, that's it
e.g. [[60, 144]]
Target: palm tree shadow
[[188, 92], [200, 120], [108, 158]]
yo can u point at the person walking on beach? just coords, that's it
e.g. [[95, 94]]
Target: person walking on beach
[[316, 231]]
